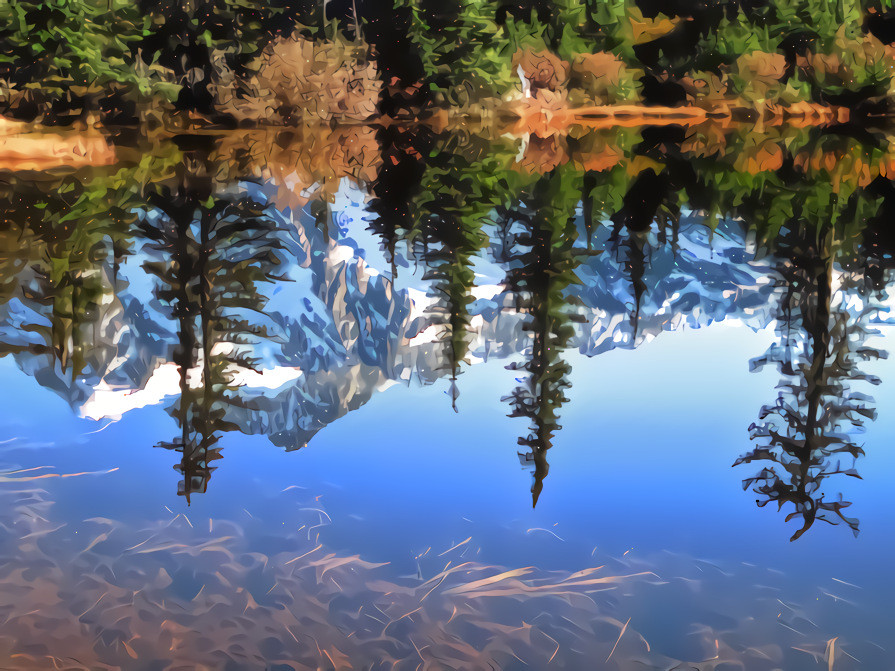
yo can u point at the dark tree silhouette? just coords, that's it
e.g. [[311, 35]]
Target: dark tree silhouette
[[213, 250], [809, 431], [538, 244]]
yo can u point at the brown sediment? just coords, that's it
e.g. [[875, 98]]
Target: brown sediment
[[537, 117], [43, 151], [30, 147], [172, 595], [297, 158], [533, 115], [541, 121]]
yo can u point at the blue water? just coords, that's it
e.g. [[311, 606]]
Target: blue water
[[366, 440]]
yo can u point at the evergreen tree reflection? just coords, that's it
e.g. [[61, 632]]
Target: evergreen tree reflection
[[808, 434], [212, 251], [647, 201], [397, 185], [61, 246], [538, 246], [461, 187]]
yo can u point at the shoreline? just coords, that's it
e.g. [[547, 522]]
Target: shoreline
[[30, 146]]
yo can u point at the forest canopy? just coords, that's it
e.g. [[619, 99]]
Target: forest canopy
[[291, 61]]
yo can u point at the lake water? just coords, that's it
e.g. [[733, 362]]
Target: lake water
[[366, 398]]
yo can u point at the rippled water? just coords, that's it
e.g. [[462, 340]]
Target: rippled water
[[449, 402]]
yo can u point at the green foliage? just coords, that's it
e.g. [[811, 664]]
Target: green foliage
[[469, 57], [462, 189], [81, 48], [822, 18], [737, 36], [609, 26], [539, 236], [86, 53]]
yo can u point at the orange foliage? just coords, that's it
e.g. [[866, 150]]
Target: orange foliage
[[603, 67], [598, 77], [826, 63], [600, 160], [298, 79], [318, 157], [646, 29], [543, 69], [762, 65], [543, 154], [839, 168], [766, 156], [705, 86]]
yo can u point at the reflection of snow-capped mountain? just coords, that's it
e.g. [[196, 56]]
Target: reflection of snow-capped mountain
[[117, 345], [336, 330], [711, 276]]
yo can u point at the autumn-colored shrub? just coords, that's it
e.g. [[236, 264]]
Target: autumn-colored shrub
[[602, 78], [542, 69], [543, 154], [756, 78], [598, 70], [761, 157], [758, 74], [305, 163], [298, 79], [644, 29], [769, 68]]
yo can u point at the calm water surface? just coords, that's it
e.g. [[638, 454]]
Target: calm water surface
[[362, 398]]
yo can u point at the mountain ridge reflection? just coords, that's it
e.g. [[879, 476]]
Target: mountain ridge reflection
[[288, 279]]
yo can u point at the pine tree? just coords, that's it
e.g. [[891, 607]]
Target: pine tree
[[211, 254], [804, 436], [538, 245]]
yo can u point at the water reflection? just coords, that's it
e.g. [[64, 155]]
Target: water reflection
[[809, 433], [538, 249], [208, 252], [270, 283]]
